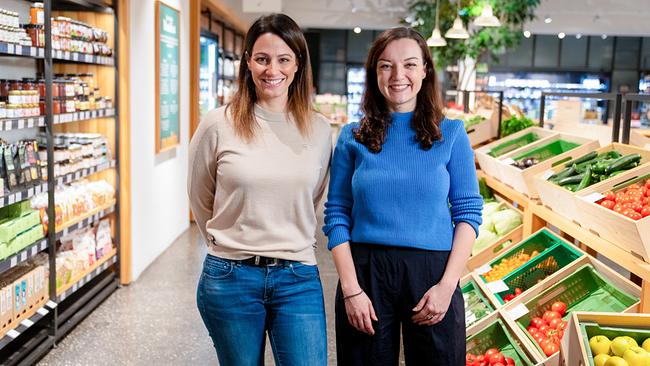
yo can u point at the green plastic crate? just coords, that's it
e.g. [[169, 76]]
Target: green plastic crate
[[540, 241], [514, 144], [497, 336], [472, 287], [589, 330], [583, 290], [549, 150], [537, 269]]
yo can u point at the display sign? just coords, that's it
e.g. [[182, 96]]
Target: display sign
[[167, 76]]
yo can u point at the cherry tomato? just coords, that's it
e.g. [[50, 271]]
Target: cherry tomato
[[647, 184], [608, 204], [618, 208], [646, 200], [610, 196]]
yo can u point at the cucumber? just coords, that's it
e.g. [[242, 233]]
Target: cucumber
[[620, 163], [587, 157], [586, 180], [567, 172], [574, 179], [616, 173]]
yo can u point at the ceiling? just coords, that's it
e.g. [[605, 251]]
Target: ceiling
[[611, 17]]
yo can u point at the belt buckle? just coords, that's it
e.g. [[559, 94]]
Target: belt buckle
[[275, 262]]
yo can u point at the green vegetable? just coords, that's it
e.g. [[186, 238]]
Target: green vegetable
[[621, 163], [473, 121], [567, 172], [574, 179], [515, 124], [505, 221], [484, 190], [616, 173], [586, 180], [585, 158]]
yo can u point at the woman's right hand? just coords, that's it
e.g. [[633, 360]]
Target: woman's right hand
[[361, 313]]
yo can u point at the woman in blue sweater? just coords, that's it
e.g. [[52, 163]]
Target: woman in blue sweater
[[402, 214]]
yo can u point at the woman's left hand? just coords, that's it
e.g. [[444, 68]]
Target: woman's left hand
[[434, 305]]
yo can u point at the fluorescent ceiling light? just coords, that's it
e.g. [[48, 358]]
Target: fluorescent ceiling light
[[548, 20], [561, 35]]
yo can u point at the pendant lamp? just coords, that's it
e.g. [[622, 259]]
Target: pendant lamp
[[487, 18], [457, 31], [436, 39]]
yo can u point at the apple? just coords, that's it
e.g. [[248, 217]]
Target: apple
[[637, 356], [621, 344], [646, 344], [601, 359], [599, 344], [616, 361]]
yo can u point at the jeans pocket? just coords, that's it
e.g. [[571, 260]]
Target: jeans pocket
[[304, 270], [217, 268]]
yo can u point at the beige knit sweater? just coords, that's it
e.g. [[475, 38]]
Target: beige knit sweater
[[258, 198]]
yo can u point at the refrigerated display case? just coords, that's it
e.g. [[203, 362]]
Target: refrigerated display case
[[208, 73], [356, 77]]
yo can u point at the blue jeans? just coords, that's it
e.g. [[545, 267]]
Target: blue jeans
[[239, 303]]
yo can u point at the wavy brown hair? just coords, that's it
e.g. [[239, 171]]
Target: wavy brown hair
[[428, 110], [242, 106]]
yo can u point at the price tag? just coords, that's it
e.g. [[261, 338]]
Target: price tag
[[21, 124], [41, 52], [51, 304], [42, 311], [75, 56], [483, 269], [14, 261], [23, 256], [10, 48], [28, 323], [30, 123], [8, 125], [13, 334], [497, 286], [33, 51], [59, 54], [518, 311], [57, 118], [77, 175], [507, 161], [593, 197], [12, 199], [89, 58], [19, 49], [66, 55], [547, 174]]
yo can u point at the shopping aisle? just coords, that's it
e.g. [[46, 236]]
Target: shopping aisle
[[155, 320]]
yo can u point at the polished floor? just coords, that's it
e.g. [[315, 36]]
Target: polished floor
[[154, 321]]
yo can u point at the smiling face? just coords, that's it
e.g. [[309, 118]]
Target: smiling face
[[273, 66], [400, 71]]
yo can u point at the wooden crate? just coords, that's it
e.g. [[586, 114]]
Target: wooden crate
[[573, 350], [630, 235], [479, 324], [522, 180], [488, 163], [481, 132], [546, 283], [504, 243], [512, 311], [562, 200], [640, 138]]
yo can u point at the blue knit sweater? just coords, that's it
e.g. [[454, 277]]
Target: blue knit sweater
[[402, 196]]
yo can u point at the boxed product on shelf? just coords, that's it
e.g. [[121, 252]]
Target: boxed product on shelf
[[585, 285], [27, 283], [487, 155], [6, 307], [477, 307], [518, 167], [20, 226], [557, 187], [492, 335], [502, 227], [526, 264], [615, 209], [590, 334]]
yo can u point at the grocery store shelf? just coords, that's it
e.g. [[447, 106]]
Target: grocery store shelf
[[82, 173], [18, 50], [8, 124], [25, 254], [23, 326], [92, 272], [32, 350], [506, 191], [83, 116], [23, 194], [83, 58], [92, 216]]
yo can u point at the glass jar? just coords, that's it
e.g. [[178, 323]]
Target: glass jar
[[15, 97], [11, 111], [37, 14], [18, 111], [3, 110], [56, 106], [41, 107], [16, 85], [109, 102], [69, 88], [70, 105], [41, 88], [5, 87], [29, 84]]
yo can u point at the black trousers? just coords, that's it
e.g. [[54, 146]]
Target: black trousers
[[395, 279]]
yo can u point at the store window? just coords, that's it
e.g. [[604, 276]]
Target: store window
[[332, 78], [358, 46], [547, 51], [521, 56], [645, 54], [332, 45], [627, 53], [574, 52], [600, 52]]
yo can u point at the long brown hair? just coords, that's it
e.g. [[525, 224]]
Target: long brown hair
[[428, 110], [242, 106]]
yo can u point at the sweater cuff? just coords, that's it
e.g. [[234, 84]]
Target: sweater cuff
[[473, 224], [338, 235]]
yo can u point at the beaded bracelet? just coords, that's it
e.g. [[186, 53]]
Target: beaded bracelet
[[351, 296]]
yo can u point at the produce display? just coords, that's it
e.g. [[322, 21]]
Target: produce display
[[472, 121], [494, 345], [476, 306], [593, 168], [508, 265], [515, 124], [512, 145], [632, 201], [492, 357], [545, 152], [548, 329], [498, 220], [620, 351]]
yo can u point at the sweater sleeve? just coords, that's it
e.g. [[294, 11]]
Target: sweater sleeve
[[202, 172], [338, 208], [326, 156], [464, 198]]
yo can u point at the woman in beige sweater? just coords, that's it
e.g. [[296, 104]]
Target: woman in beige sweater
[[258, 169]]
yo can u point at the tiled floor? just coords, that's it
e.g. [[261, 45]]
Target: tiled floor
[[154, 321]]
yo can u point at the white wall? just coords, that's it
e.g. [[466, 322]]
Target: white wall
[[159, 203]]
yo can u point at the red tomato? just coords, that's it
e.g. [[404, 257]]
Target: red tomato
[[637, 206], [518, 291], [509, 361], [544, 329], [532, 330], [608, 204], [559, 307], [647, 183], [549, 347], [618, 208], [536, 322], [550, 315], [646, 200], [497, 358], [490, 352], [497, 364], [555, 323], [635, 215], [539, 337], [645, 211], [609, 195]]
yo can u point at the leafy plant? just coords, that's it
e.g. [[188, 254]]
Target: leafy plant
[[515, 124]]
